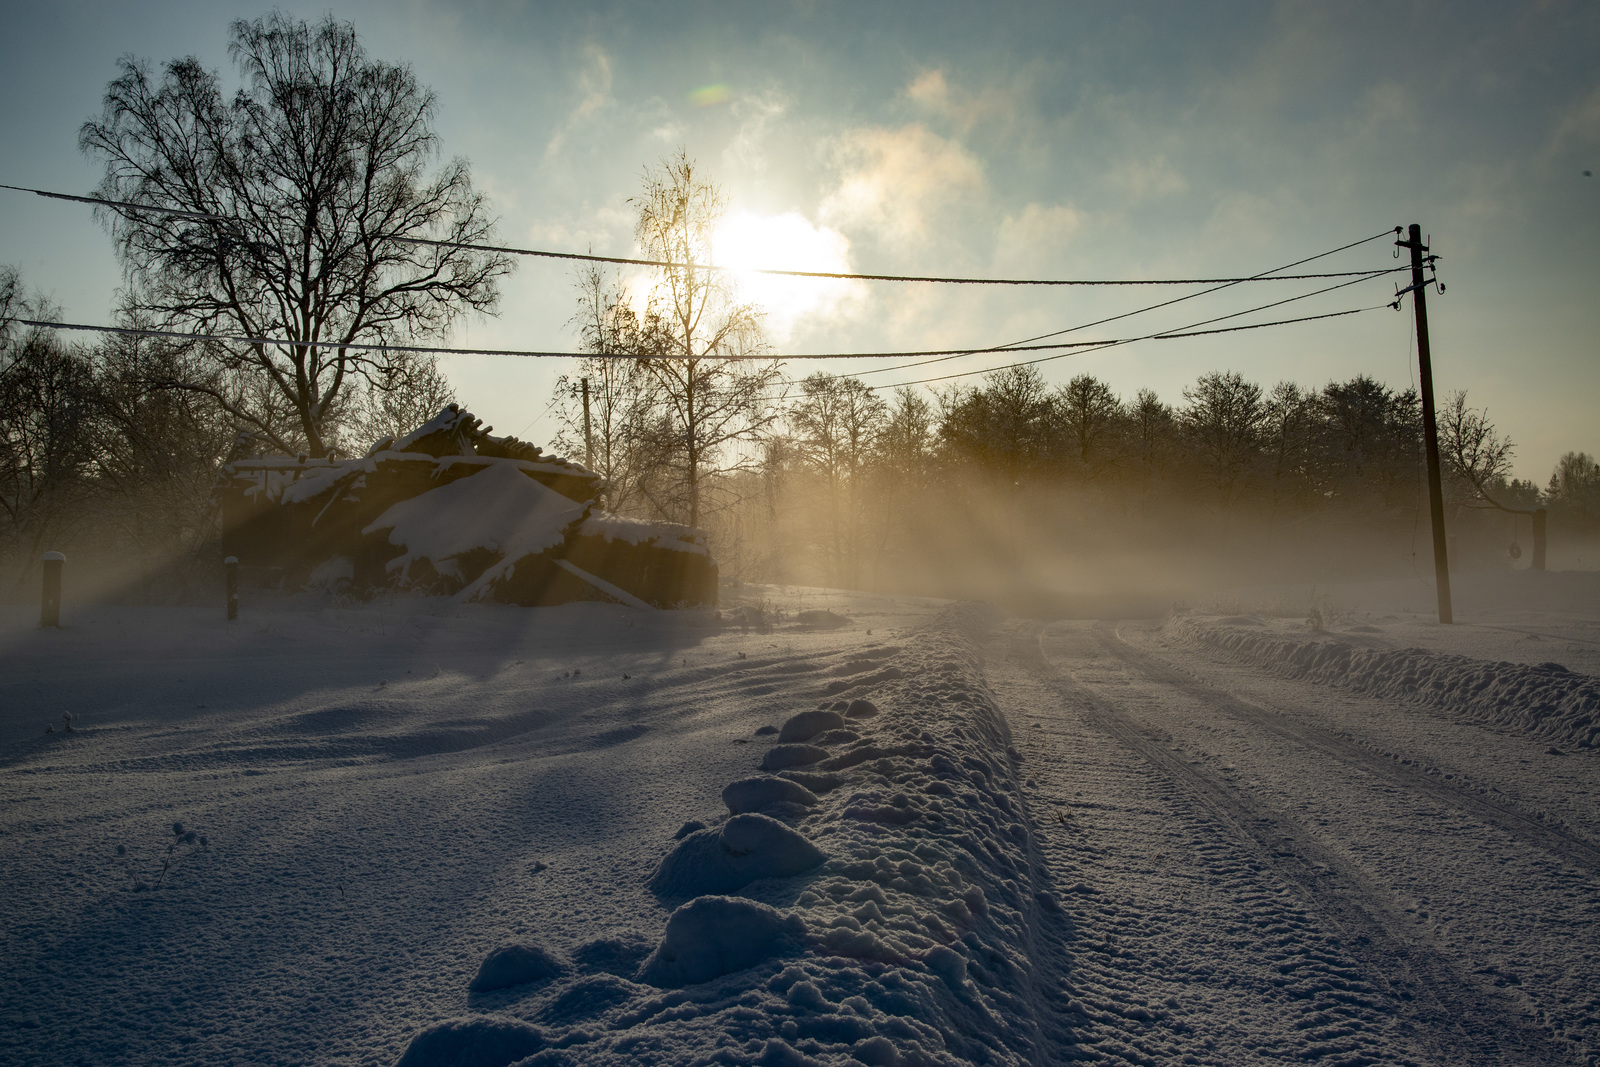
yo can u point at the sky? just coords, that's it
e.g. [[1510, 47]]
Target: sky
[[1084, 140]]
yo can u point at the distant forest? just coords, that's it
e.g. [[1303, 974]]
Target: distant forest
[[925, 492]]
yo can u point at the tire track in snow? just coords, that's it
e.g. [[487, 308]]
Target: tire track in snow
[[1566, 846], [1174, 950], [1446, 1011]]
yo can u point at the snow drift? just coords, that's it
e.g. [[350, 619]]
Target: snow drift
[[875, 907], [1545, 699]]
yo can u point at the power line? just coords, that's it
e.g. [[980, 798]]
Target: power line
[[172, 335], [1025, 346], [1190, 330], [1130, 340], [128, 205], [943, 353]]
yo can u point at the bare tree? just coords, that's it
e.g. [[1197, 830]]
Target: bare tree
[[1003, 426], [625, 442], [1476, 456], [1574, 490], [47, 411], [1287, 419], [313, 222], [1222, 418], [408, 392], [705, 345], [156, 456], [1089, 412], [836, 423]]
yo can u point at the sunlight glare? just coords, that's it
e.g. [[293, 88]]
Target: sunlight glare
[[788, 242]]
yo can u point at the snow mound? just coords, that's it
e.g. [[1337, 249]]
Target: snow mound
[[1547, 700], [780, 757], [860, 709], [753, 794], [513, 965], [808, 724], [747, 847], [485, 1041], [713, 936]]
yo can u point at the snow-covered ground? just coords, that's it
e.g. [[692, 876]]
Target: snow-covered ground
[[426, 832]]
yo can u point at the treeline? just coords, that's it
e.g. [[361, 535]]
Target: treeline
[[846, 486]]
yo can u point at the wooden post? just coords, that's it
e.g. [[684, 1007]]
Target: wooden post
[[230, 570], [1539, 516], [1430, 425], [588, 432], [50, 608]]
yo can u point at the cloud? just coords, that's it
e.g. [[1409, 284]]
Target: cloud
[[757, 115], [594, 83], [902, 185], [994, 107], [1035, 237], [1146, 179], [1576, 128]]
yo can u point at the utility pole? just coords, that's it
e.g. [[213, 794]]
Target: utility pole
[[1430, 426], [588, 432]]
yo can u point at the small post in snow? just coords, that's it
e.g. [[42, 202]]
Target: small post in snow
[[50, 608], [588, 431], [230, 571]]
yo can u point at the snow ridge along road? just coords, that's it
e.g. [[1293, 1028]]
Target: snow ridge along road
[[1544, 698], [1377, 917]]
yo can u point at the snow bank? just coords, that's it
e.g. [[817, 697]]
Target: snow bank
[[1545, 699], [890, 922]]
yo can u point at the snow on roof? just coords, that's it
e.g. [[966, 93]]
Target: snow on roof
[[669, 535], [453, 420], [500, 509]]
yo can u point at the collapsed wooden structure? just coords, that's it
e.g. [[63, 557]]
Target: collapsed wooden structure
[[451, 509]]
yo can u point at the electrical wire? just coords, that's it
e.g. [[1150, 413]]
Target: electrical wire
[[128, 205], [173, 335], [1024, 346], [1190, 330], [1131, 340]]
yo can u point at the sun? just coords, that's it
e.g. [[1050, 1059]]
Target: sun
[[787, 242]]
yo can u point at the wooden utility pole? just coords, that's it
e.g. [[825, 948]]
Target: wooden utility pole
[[588, 432], [1430, 426], [50, 603]]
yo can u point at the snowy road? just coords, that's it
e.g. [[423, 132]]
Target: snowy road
[[1121, 843], [1270, 872]]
